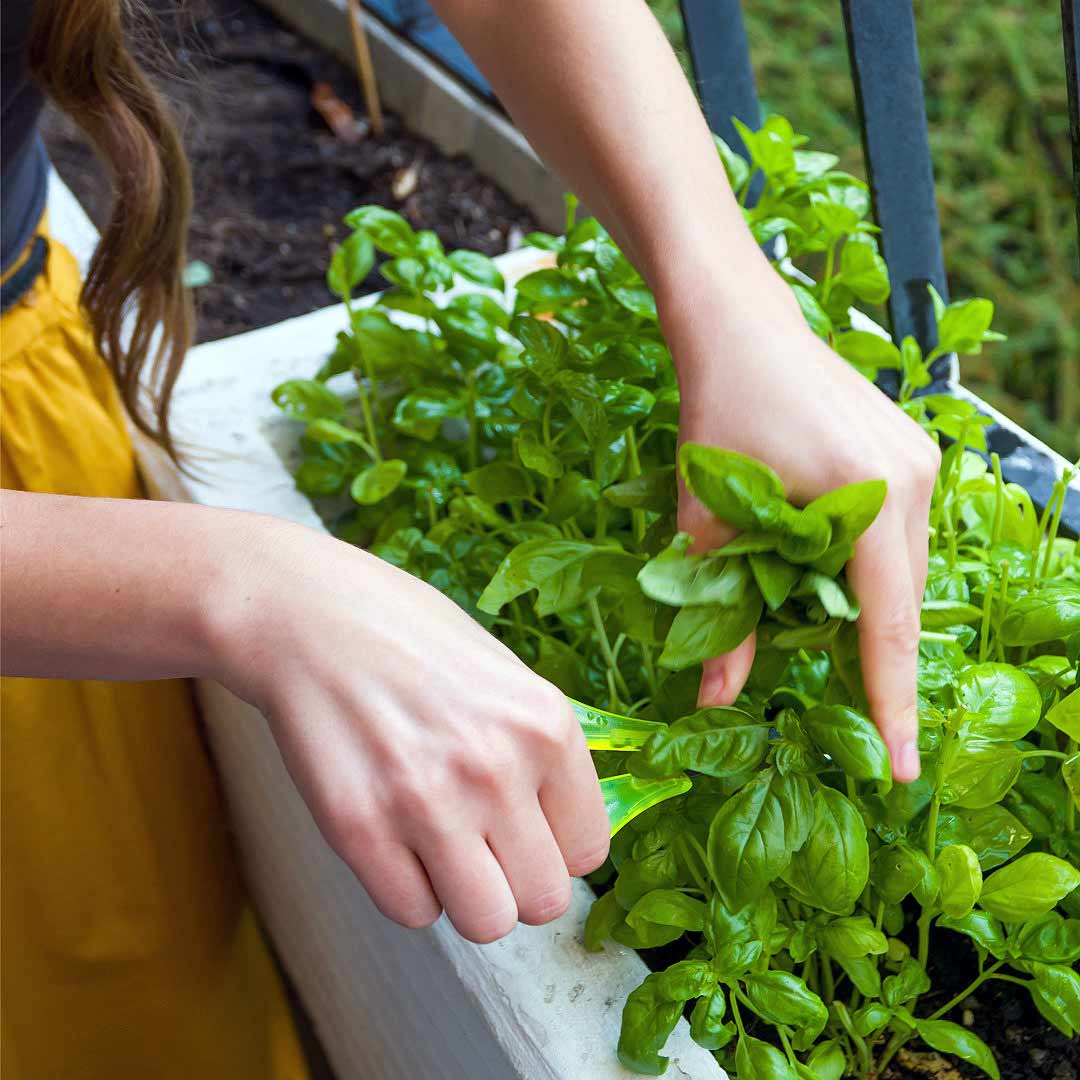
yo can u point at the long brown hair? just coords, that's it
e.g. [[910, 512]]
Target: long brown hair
[[140, 311]]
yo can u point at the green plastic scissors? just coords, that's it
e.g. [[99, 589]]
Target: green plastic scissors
[[625, 796]]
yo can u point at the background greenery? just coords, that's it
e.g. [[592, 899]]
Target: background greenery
[[996, 101]]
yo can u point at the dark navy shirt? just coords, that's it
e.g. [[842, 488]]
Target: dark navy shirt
[[24, 166]]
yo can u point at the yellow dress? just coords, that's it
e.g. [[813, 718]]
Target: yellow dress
[[129, 946]]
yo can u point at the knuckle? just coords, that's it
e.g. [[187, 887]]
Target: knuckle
[[898, 629], [484, 927], [414, 914], [347, 826], [417, 800], [589, 859], [545, 906]]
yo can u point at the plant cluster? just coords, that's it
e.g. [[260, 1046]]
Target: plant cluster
[[522, 460]]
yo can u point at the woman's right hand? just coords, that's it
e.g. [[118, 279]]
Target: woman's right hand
[[444, 772]]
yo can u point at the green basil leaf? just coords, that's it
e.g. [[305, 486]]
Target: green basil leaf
[[992, 832], [752, 838], [737, 490], [783, 998], [307, 400], [539, 458], [1028, 887], [477, 268], [982, 928], [960, 878], [827, 1060], [1006, 701], [1065, 715], [1052, 939], [653, 490], [717, 742], [532, 565], [1060, 987], [868, 351], [757, 1060], [1070, 773], [951, 1038], [421, 413], [831, 870], [350, 264], [707, 1027], [775, 577], [908, 983], [1051, 613], [979, 772], [320, 478], [854, 935], [668, 907], [545, 347], [388, 231], [851, 509], [698, 633], [899, 870], [863, 973], [374, 483], [831, 595], [640, 876], [864, 272], [499, 482], [648, 1019], [679, 579], [850, 739], [871, 1018], [603, 917], [962, 326]]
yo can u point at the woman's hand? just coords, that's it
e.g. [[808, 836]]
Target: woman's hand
[[754, 378], [437, 765]]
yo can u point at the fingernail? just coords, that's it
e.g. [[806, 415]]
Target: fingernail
[[908, 766]]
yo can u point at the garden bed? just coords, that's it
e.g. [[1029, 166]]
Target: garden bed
[[272, 181]]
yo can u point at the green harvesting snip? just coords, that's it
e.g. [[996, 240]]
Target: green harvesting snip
[[626, 796], [607, 731]]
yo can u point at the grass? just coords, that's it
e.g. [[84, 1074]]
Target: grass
[[994, 78]]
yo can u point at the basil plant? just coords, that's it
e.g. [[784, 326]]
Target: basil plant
[[520, 454]]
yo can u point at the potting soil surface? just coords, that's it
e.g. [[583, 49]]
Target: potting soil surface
[[272, 181]]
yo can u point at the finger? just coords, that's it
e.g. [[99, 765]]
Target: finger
[[574, 807], [471, 886], [724, 676], [533, 865], [398, 885], [889, 638]]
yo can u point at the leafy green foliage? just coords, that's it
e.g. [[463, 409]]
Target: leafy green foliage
[[518, 455]]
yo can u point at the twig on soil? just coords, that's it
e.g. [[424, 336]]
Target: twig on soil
[[367, 69]]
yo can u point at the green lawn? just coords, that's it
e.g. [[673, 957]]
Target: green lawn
[[995, 91]]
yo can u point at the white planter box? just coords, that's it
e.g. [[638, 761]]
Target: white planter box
[[388, 1004]]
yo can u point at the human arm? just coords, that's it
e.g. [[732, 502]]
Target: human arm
[[598, 92], [443, 771]]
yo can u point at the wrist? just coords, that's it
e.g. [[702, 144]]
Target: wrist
[[239, 601]]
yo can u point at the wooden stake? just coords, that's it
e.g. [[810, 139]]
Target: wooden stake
[[367, 70]]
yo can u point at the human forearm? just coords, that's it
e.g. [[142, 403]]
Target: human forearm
[[601, 97], [111, 588]]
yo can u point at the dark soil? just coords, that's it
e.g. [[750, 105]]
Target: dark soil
[[272, 182], [1001, 1014]]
